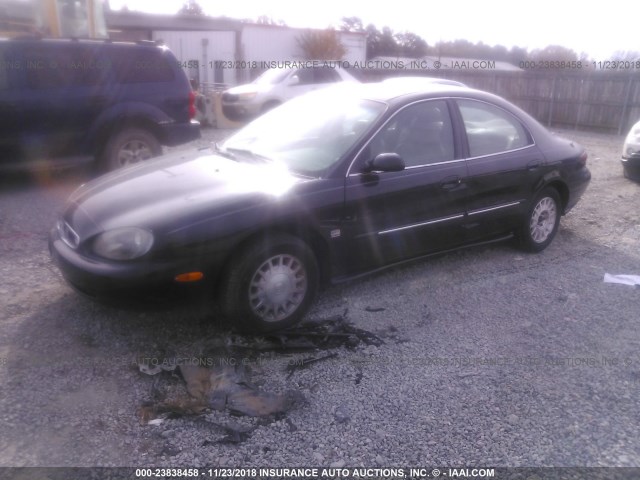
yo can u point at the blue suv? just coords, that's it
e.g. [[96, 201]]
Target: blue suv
[[67, 101]]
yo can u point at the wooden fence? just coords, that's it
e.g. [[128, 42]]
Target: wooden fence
[[592, 100]]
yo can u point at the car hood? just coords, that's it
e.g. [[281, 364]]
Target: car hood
[[249, 88], [171, 194]]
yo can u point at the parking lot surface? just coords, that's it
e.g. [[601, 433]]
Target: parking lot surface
[[491, 356]]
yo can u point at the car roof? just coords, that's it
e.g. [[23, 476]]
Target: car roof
[[418, 81], [64, 42], [398, 90]]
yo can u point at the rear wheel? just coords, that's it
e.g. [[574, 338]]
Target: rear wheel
[[130, 147], [272, 285], [541, 223]]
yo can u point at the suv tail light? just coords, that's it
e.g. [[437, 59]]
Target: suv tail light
[[192, 104], [583, 158]]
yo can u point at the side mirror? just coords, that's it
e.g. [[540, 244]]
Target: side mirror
[[294, 80], [385, 162]]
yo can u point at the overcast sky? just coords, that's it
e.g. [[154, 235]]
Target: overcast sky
[[599, 28]]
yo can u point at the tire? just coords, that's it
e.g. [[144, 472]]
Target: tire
[[130, 147], [272, 285], [541, 223]]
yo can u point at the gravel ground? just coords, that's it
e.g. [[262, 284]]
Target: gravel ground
[[491, 356]]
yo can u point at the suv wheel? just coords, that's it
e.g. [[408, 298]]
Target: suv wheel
[[129, 147]]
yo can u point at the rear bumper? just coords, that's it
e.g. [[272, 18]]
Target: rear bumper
[[577, 186]]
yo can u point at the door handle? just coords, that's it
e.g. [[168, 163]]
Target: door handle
[[450, 183], [533, 165]]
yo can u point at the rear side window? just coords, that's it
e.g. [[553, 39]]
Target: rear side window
[[490, 129], [62, 66], [146, 65], [326, 75], [305, 76]]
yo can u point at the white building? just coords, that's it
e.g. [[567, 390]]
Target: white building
[[222, 50]]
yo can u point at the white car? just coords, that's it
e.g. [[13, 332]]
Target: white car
[[631, 154], [276, 86]]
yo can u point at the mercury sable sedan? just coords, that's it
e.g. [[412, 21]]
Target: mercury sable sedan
[[325, 188]]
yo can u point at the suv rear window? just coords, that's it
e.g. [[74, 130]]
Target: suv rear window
[[140, 66]]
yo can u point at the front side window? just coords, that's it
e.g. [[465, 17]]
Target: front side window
[[491, 129], [420, 133]]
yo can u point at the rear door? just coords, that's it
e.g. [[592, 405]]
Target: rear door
[[11, 120], [64, 93], [391, 216], [503, 166]]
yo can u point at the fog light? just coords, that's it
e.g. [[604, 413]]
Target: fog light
[[189, 277]]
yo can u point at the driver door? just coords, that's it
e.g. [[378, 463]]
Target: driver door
[[392, 216]]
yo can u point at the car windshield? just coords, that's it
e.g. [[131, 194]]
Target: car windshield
[[272, 76], [308, 134]]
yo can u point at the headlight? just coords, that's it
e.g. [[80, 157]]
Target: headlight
[[631, 146], [123, 243], [247, 95], [633, 137]]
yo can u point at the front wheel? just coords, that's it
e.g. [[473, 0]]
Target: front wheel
[[272, 285], [541, 223]]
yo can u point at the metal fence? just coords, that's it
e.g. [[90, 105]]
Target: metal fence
[[594, 100]]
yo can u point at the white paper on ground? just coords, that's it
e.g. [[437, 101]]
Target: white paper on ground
[[623, 279]]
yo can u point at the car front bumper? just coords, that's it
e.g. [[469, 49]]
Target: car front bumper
[[121, 279], [631, 167], [239, 111]]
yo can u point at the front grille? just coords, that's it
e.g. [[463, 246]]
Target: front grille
[[229, 97], [68, 235]]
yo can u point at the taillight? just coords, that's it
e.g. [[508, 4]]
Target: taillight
[[582, 159], [192, 105]]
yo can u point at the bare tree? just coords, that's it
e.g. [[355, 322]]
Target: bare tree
[[267, 20], [321, 45], [554, 53], [191, 7], [626, 55], [351, 24]]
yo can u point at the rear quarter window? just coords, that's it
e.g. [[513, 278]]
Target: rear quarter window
[[491, 129], [141, 66]]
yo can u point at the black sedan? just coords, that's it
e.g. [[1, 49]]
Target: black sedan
[[325, 188]]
